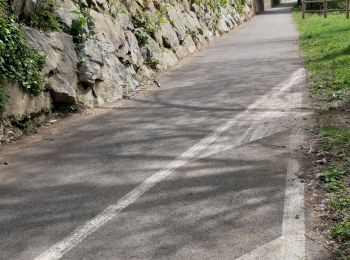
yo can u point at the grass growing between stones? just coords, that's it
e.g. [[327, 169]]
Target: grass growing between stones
[[325, 46]]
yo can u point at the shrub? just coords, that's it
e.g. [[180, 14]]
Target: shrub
[[44, 17], [142, 36], [153, 64], [81, 29]]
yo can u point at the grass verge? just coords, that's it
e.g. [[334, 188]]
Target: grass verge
[[334, 145], [325, 45], [326, 49]]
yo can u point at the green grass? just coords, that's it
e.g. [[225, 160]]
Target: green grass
[[336, 141], [325, 45], [342, 231], [337, 138], [338, 185], [334, 179], [340, 203]]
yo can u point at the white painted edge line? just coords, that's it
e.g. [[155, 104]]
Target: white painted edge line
[[58, 250], [269, 251], [293, 229], [291, 245]]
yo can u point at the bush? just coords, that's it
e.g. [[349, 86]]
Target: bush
[[142, 36], [82, 28], [153, 64], [335, 4], [44, 17]]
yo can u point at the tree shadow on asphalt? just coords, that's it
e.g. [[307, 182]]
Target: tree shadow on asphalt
[[50, 188], [232, 185]]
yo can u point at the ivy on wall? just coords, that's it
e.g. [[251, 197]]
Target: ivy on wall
[[18, 62]]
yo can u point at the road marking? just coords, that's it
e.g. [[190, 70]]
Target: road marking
[[270, 251], [58, 250], [293, 227], [291, 245]]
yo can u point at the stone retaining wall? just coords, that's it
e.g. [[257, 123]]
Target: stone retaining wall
[[130, 41]]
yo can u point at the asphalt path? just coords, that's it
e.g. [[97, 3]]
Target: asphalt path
[[203, 168]]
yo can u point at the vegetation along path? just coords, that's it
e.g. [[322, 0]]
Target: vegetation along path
[[325, 47], [206, 167]]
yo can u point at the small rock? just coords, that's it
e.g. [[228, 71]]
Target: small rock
[[6, 163], [157, 83], [322, 161], [50, 139], [322, 153], [297, 217]]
